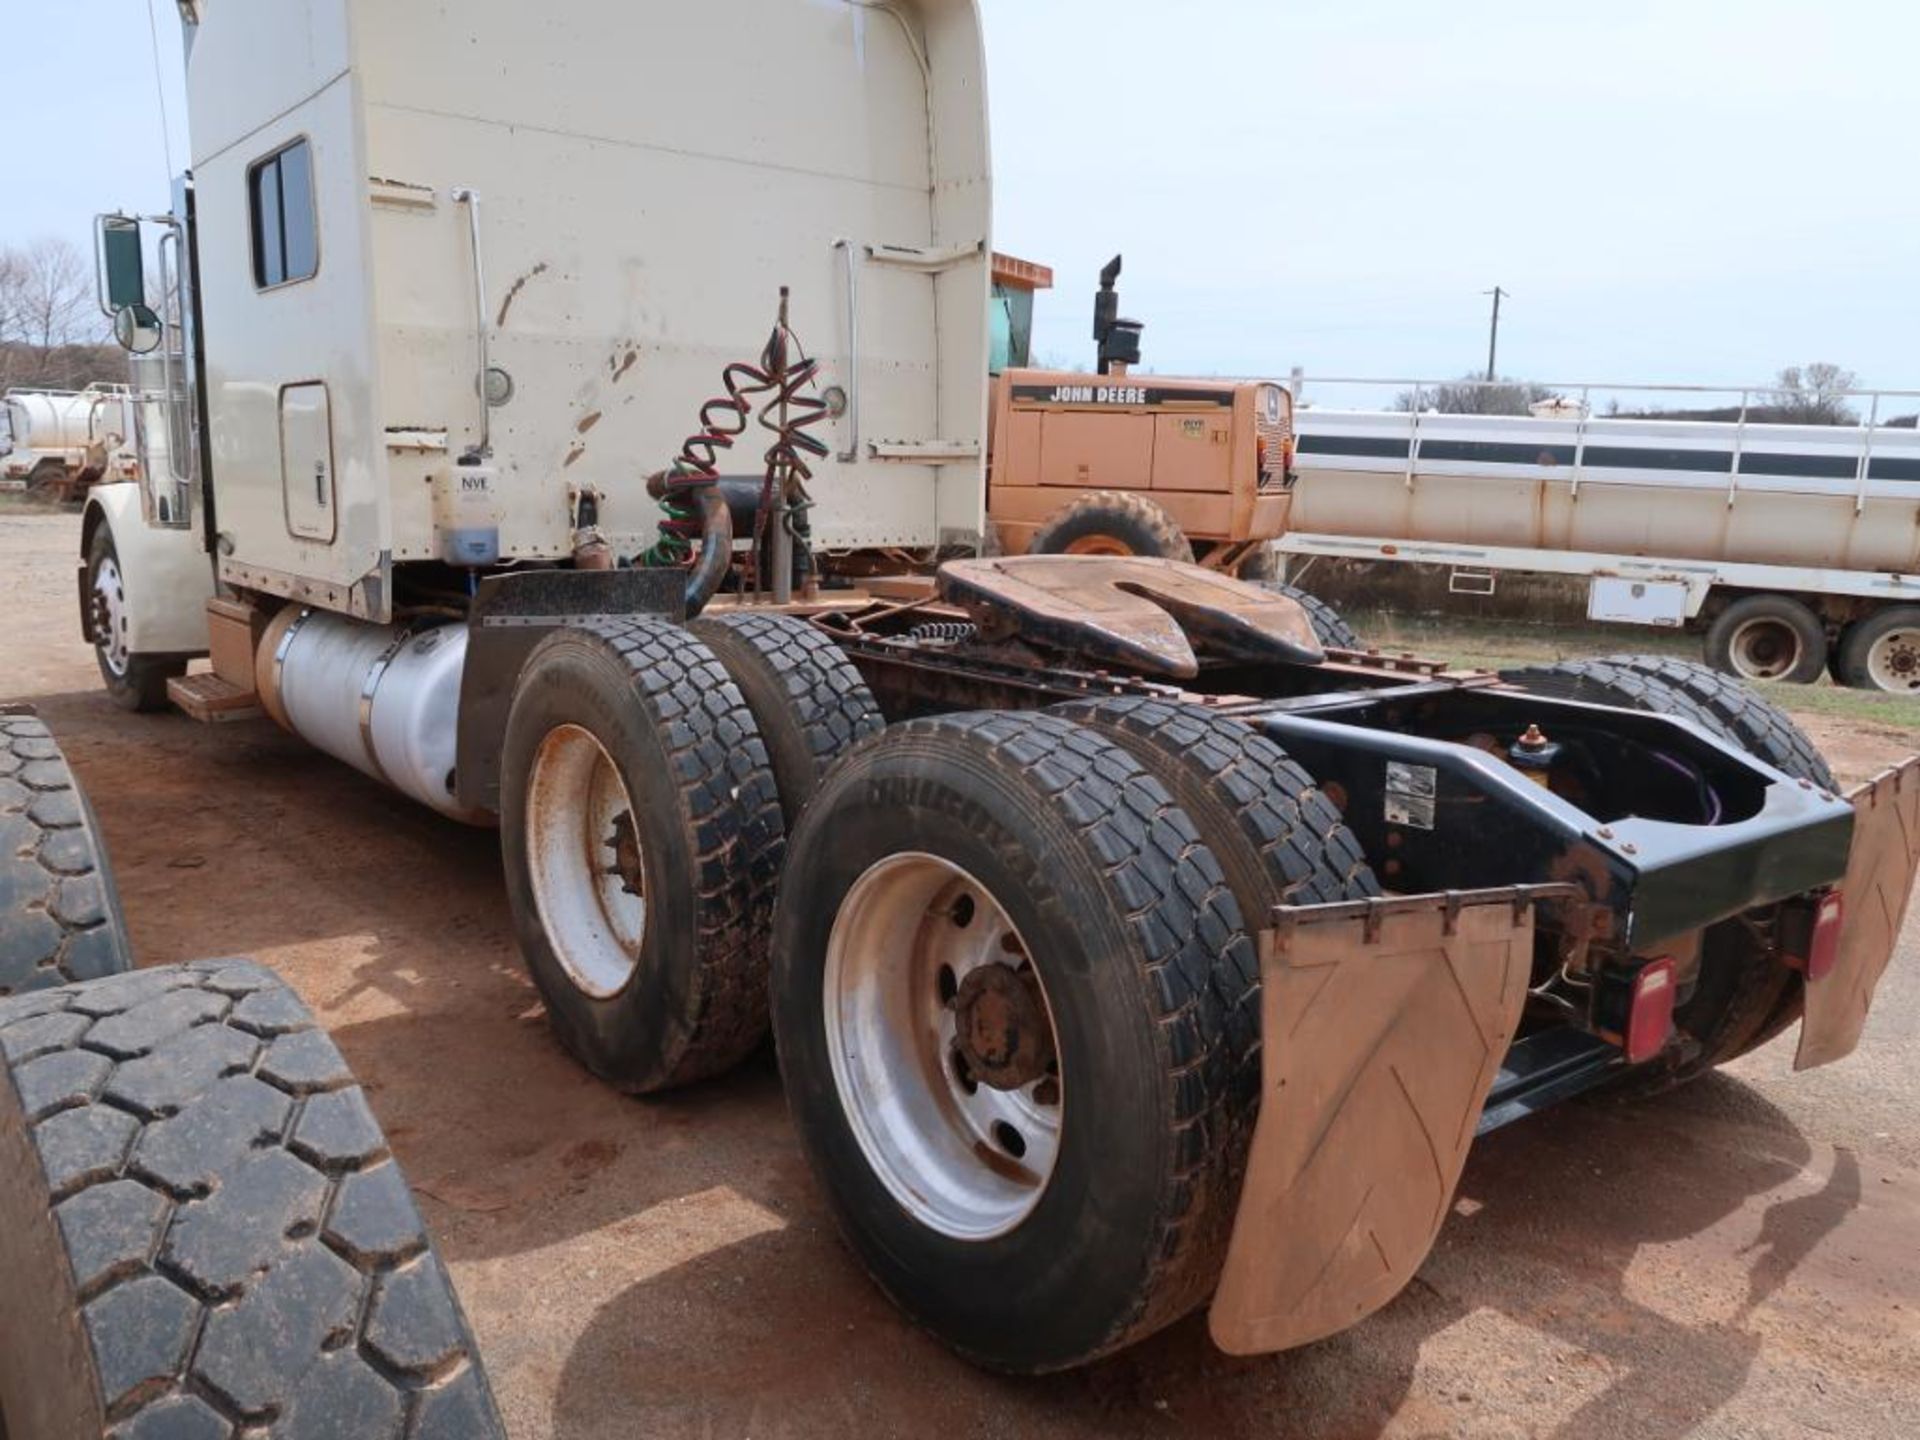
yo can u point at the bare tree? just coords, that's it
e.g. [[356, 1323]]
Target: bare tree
[[1814, 395], [1471, 395], [51, 332]]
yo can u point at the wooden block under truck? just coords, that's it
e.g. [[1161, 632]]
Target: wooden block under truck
[[1133, 942]]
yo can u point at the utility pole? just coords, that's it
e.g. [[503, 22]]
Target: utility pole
[[1493, 345]]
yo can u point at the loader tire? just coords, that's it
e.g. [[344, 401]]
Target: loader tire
[[134, 682], [806, 696], [60, 918], [1744, 996], [1018, 845], [1329, 625], [1112, 522], [642, 840], [203, 1231]]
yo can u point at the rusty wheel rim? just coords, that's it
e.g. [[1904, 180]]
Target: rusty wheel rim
[[1765, 649], [935, 1011], [585, 861], [1098, 545]]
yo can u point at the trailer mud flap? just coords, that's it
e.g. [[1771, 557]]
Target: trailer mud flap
[[1877, 891], [1384, 1028]]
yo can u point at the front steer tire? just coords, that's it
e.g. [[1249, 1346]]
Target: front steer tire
[[136, 683], [203, 1231], [684, 998], [60, 917], [1126, 916]]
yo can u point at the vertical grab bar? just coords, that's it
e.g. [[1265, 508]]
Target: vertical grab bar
[[471, 200], [852, 453]]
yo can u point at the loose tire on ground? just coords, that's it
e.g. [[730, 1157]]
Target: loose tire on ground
[[1113, 522], [1768, 637], [1744, 996], [1329, 625], [135, 682], [60, 918], [806, 696], [642, 839], [203, 1231], [1882, 652], [1105, 887]]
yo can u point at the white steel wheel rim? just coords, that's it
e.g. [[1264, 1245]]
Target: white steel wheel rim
[[590, 896], [1765, 649], [968, 1163], [1893, 661], [110, 615]]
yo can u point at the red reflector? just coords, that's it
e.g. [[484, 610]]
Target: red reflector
[[1824, 953], [1650, 1020]]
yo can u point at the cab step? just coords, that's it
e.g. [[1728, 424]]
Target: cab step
[[213, 701]]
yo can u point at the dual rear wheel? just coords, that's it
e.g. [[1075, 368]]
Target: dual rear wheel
[[1008, 959]]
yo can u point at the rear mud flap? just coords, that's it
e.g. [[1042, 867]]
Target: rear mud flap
[[1384, 1028], [1877, 891]]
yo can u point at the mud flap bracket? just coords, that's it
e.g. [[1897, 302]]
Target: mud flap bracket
[[1384, 1025]]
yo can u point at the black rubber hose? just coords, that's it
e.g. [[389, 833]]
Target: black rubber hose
[[716, 547]]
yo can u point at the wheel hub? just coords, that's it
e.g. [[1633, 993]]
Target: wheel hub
[[1002, 1030], [625, 845]]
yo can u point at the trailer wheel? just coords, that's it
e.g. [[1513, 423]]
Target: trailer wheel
[[1112, 522], [1768, 637], [640, 827], [203, 1231], [806, 696], [48, 481], [996, 995], [1329, 625], [1743, 996], [1882, 652], [135, 682], [60, 918]]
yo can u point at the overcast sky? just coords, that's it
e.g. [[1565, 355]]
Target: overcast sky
[[1677, 190]]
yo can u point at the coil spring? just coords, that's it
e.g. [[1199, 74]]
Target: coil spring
[[943, 632], [783, 376]]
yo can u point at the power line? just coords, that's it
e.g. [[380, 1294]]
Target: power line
[[160, 89]]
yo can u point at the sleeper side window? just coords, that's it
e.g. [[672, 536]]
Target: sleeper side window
[[286, 231]]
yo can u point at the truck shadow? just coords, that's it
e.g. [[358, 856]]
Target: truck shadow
[[1527, 1319]]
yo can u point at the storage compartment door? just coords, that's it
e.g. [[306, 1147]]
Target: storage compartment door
[[306, 463]]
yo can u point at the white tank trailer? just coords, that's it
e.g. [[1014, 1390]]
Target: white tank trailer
[[58, 442], [1795, 548]]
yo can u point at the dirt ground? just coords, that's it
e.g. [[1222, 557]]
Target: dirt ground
[[1738, 1260]]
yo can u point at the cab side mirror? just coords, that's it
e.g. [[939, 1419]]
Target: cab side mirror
[[123, 269], [138, 329]]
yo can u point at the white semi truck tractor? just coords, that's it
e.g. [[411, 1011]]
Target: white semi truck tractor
[[575, 419]]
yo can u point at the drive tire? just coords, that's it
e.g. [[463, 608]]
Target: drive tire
[[1329, 625], [203, 1231], [1125, 912], [670, 739], [1112, 522], [1882, 652], [1743, 997], [60, 917], [806, 697], [134, 682], [1768, 637]]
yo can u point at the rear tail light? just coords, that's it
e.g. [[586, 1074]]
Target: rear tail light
[[1823, 941], [1650, 1015]]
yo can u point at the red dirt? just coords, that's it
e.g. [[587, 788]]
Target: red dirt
[[1740, 1259]]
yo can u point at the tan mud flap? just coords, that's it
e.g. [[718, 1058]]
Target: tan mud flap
[[1384, 1027], [1877, 890]]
